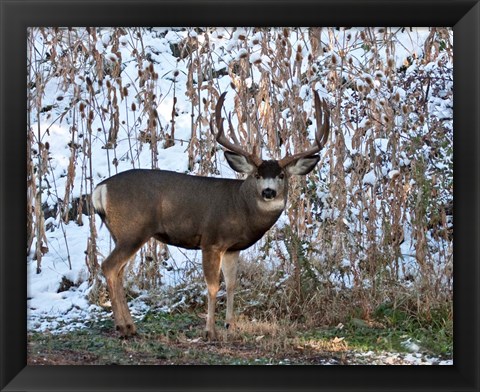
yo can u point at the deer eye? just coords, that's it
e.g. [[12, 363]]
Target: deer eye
[[281, 176]]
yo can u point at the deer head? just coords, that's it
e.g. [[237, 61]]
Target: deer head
[[269, 178]]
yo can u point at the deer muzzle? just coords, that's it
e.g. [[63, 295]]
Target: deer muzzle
[[269, 194]]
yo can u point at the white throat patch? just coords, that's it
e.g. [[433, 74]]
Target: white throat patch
[[276, 204]]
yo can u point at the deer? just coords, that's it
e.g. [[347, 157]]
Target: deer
[[219, 216]]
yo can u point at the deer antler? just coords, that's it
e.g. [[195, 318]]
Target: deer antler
[[321, 135], [222, 140]]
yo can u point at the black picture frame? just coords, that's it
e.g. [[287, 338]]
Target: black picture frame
[[17, 15]]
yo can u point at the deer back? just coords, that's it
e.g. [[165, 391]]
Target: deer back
[[182, 210]]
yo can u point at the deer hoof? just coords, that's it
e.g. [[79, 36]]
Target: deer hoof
[[127, 330], [209, 335]]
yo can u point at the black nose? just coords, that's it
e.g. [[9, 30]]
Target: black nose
[[269, 193]]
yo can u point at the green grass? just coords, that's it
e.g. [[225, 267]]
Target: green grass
[[391, 328], [176, 339], [100, 344], [162, 339]]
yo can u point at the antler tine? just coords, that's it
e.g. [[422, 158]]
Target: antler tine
[[325, 125], [222, 140], [321, 134], [253, 155], [232, 132]]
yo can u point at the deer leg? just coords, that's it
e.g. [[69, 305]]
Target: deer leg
[[229, 269], [113, 268], [211, 260]]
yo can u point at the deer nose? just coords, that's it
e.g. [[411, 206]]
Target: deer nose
[[269, 193]]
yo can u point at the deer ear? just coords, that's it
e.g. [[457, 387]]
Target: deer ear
[[303, 166], [239, 163]]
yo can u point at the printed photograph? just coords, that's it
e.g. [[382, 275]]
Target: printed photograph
[[239, 196]]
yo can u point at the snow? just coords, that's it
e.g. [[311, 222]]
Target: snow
[[393, 173], [411, 346], [242, 54], [370, 178]]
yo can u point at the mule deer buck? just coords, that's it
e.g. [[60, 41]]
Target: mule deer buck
[[219, 216]]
